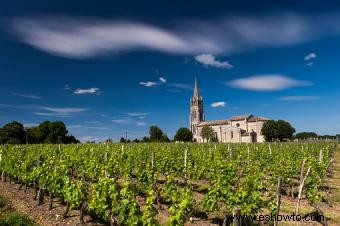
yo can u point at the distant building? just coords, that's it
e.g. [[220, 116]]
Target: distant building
[[242, 128]]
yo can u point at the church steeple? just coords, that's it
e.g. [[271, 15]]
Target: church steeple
[[196, 110], [196, 92]]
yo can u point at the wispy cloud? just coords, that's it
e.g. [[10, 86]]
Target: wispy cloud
[[67, 87], [210, 60], [30, 124], [299, 98], [218, 104], [87, 91], [84, 38], [310, 64], [31, 96], [148, 84], [137, 114], [181, 86], [162, 79], [60, 112], [86, 127], [269, 82], [141, 124], [124, 120], [310, 56]]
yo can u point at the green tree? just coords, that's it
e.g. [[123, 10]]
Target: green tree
[[183, 134], [269, 130], [305, 135], [277, 130], [13, 133], [207, 133], [156, 134], [44, 129], [34, 135], [122, 140], [284, 130]]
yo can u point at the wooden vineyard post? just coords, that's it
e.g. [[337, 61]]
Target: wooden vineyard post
[[105, 161], [300, 190], [237, 216], [185, 164], [320, 155], [270, 150], [278, 200], [152, 159]]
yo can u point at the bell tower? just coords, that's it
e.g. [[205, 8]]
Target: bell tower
[[196, 110]]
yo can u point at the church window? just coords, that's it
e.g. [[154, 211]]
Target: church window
[[232, 134], [238, 124]]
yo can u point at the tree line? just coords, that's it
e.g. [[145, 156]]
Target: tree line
[[46, 132]]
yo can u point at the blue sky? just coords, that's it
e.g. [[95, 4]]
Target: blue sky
[[110, 67]]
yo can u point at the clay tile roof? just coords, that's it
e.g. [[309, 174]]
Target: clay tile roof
[[240, 117], [214, 123], [256, 119]]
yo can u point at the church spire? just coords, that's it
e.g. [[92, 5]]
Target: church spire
[[196, 92]]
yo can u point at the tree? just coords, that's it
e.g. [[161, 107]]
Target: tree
[[269, 130], [13, 133], [207, 133], [44, 128], [277, 130], [122, 140], [33, 135], [145, 139], [156, 134], [305, 135], [183, 134], [165, 138]]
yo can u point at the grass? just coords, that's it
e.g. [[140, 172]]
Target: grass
[[10, 217]]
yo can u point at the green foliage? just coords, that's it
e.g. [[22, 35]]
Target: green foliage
[[15, 219], [277, 130], [13, 133], [305, 135], [149, 217], [207, 133], [156, 134], [3, 202], [122, 182], [183, 134]]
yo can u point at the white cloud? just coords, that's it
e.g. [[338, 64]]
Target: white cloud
[[29, 124], [67, 87], [218, 104], [148, 84], [137, 114], [299, 98], [141, 123], [122, 121], [310, 56], [87, 91], [84, 38], [310, 64], [181, 86], [162, 80], [31, 96], [210, 60], [60, 112], [267, 82]]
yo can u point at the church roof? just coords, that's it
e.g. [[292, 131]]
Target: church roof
[[214, 123], [256, 119], [241, 117], [249, 117]]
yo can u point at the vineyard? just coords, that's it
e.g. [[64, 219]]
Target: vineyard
[[170, 184]]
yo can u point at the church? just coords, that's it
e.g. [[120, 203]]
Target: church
[[237, 129]]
